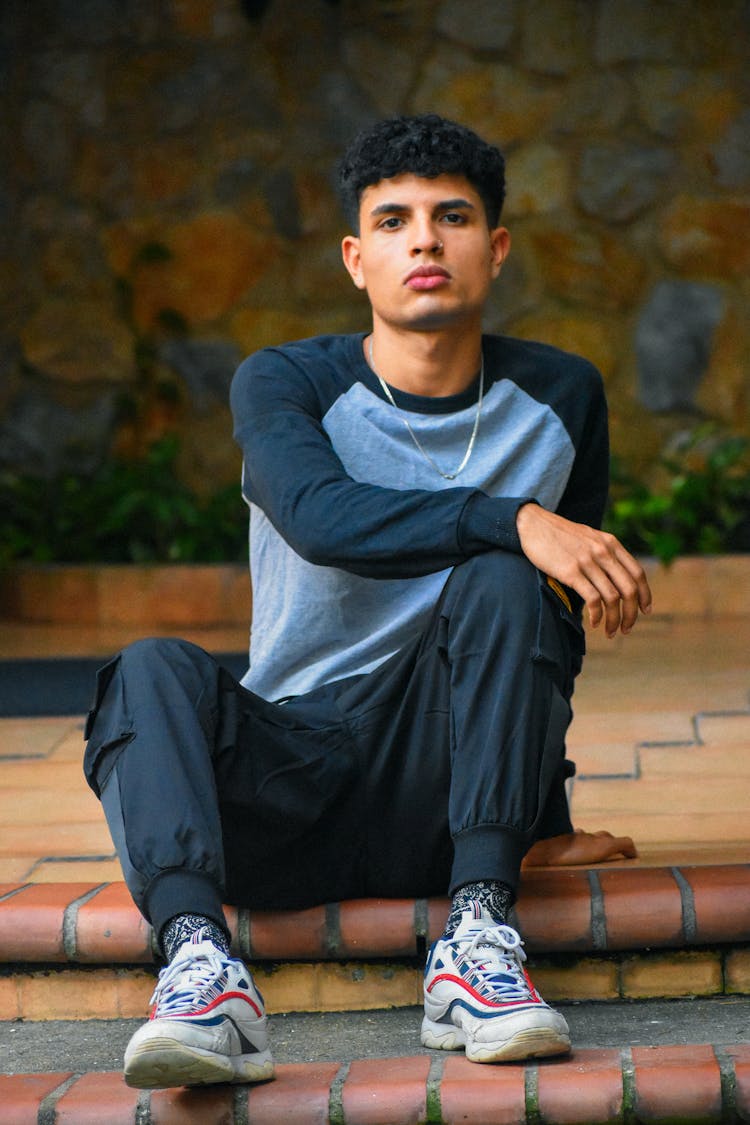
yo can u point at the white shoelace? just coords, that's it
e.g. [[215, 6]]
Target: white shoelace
[[496, 950], [188, 980]]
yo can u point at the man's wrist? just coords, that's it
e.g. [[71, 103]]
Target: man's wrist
[[525, 510]]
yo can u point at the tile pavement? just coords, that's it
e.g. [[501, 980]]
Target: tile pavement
[[654, 712]]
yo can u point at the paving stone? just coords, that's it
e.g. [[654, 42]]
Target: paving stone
[[740, 1056], [586, 1088], [672, 1083], [109, 927], [212, 1105], [31, 922], [395, 1092], [477, 1095], [567, 923], [300, 1095], [377, 927], [83, 1103], [22, 1095], [641, 908], [671, 975], [303, 932], [722, 903]]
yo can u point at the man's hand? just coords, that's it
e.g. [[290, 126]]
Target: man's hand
[[579, 848], [595, 564]]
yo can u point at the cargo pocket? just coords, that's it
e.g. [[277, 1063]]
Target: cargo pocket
[[108, 728], [560, 639]]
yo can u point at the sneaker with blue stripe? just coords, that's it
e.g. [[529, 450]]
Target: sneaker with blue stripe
[[207, 1025], [478, 995]]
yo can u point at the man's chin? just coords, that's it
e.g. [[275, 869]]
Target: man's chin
[[437, 319]]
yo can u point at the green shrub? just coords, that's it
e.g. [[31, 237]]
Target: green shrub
[[704, 508], [140, 511], [130, 511]]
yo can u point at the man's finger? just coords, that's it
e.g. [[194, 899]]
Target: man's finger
[[608, 597], [638, 574]]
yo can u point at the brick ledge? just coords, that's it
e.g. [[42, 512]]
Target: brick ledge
[[706, 1083], [559, 911]]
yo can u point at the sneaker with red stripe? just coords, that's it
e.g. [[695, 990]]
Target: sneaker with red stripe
[[477, 995], [208, 1024]]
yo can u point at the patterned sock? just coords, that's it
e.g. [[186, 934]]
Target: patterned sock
[[182, 927], [494, 897]]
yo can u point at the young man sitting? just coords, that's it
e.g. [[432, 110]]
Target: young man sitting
[[425, 503]]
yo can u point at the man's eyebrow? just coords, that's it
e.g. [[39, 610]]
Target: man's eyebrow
[[389, 208], [455, 204], [401, 208]]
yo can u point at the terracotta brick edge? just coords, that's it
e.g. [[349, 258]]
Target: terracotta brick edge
[[603, 910], [706, 1083]]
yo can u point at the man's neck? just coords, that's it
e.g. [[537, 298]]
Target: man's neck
[[423, 363]]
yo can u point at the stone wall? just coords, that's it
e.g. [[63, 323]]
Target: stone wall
[[168, 205]]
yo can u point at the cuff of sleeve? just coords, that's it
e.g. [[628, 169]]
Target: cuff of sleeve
[[489, 521]]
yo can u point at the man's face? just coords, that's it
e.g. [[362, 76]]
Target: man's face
[[425, 253]]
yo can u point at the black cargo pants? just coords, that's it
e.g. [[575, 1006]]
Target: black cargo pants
[[441, 766]]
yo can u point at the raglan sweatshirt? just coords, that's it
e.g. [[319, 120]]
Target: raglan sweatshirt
[[353, 532]]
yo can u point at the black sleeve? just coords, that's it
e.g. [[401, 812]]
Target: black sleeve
[[585, 496], [292, 473]]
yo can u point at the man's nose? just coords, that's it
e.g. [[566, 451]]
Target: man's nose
[[426, 240]]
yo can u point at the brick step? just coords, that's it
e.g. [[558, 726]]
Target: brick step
[[562, 910], [123, 992], [673, 1083], [83, 951]]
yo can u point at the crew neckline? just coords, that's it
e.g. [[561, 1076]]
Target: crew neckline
[[417, 404]]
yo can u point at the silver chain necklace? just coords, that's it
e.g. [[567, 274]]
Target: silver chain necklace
[[415, 439]]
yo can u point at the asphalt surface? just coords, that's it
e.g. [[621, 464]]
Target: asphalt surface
[[83, 1045]]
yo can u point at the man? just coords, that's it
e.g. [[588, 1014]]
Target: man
[[424, 511]]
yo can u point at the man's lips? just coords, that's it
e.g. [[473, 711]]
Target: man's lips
[[427, 277]]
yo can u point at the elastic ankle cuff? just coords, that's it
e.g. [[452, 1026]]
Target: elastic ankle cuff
[[489, 851], [183, 892]]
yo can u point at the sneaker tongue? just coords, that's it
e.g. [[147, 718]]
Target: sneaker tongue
[[475, 919], [472, 924]]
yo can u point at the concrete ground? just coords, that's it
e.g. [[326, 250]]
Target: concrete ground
[[84, 1045]]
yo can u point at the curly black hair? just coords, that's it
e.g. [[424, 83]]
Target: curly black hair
[[426, 145]]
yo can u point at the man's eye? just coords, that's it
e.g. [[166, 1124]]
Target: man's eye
[[391, 223], [453, 217]]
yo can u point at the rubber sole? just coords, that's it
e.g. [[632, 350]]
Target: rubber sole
[[162, 1062], [528, 1043]]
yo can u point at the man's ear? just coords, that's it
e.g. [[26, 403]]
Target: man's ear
[[499, 248], [352, 259]]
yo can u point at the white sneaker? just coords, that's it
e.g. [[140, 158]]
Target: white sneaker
[[477, 995], [208, 1024]]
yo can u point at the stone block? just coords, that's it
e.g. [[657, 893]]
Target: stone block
[[707, 237], [205, 366], [731, 154], [587, 266], [617, 182], [501, 102], [214, 258], [672, 31], [78, 341], [486, 25], [581, 335], [538, 181], [592, 102], [672, 975], [737, 971], [556, 35], [673, 342], [370, 58], [675, 101]]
